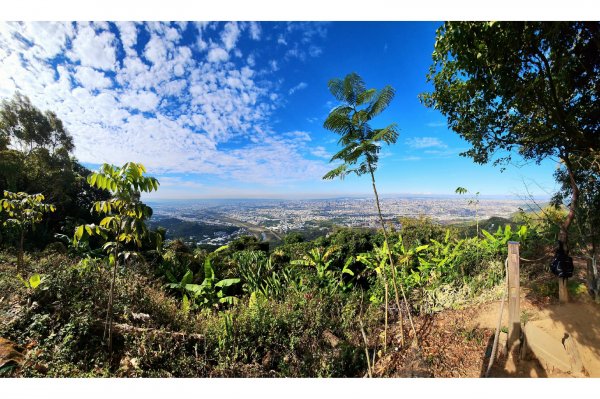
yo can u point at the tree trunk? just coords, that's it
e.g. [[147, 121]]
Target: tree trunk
[[563, 235], [593, 277], [385, 236], [20, 262], [109, 313]]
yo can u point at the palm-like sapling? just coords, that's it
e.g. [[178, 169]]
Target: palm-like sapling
[[360, 147]]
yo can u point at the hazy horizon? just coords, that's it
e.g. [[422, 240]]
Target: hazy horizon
[[466, 197]]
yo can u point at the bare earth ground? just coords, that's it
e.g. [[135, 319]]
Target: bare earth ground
[[458, 343]]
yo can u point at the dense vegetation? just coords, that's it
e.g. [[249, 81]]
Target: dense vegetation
[[243, 311], [90, 290]]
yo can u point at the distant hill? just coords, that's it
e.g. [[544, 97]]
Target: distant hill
[[491, 225]]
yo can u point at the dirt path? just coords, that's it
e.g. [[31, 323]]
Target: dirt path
[[457, 343], [580, 319]]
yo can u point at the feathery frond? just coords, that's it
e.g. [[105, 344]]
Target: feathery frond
[[388, 134], [341, 172], [382, 100], [358, 139]]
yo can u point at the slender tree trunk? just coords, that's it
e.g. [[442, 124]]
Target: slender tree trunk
[[109, 313], [563, 235], [391, 259], [20, 262]]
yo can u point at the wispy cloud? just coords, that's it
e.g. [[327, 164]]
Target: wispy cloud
[[425, 142], [444, 153], [411, 158], [321, 152], [436, 124], [299, 86]]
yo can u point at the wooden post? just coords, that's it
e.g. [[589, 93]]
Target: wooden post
[[514, 315], [563, 292]]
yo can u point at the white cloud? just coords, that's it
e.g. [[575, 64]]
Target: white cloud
[[48, 37], [425, 142], [144, 101], [92, 49], [128, 34], [299, 86], [410, 158], [230, 35], [315, 51], [255, 30], [174, 116], [217, 54], [155, 51], [92, 79]]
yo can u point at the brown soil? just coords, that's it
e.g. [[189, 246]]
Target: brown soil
[[457, 343]]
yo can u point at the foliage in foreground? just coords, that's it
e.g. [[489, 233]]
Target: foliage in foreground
[[276, 315]]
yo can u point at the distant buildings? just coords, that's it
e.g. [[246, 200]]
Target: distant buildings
[[282, 216]]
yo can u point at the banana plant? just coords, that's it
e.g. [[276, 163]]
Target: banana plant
[[404, 254], [32, 282], [411, 276], [210, 293], [320, 259], [443, 259], [180, 286], [376, 261], [498, 241]]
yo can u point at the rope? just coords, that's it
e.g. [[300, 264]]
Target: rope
[[497, 334], [534, 260]]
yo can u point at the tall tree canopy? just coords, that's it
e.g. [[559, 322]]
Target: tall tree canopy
[[36, 157], [25, 128], [525, 86], [360, 142]]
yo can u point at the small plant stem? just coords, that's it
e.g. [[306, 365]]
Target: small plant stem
[[386, 319], [362, 330], [364, 336]]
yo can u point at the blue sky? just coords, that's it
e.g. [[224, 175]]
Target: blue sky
[[235, 109]]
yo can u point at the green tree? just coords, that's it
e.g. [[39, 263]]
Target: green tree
[[26, 128], [24, 212], [293, 238], [587, 217], [526, 86], [124, 217], [36, 157], [361, 143]]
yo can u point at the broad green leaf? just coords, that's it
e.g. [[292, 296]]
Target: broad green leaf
[[35, 280], [187, 278], [227, 282]]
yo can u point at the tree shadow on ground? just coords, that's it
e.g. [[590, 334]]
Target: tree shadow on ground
[[505, 367]]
